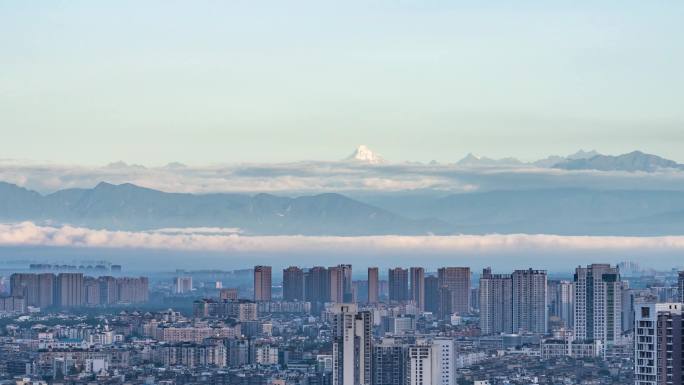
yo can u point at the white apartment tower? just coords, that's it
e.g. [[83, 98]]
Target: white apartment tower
[[598, 303], [444, 361], [421, 364], [658, 344], [352, 345]]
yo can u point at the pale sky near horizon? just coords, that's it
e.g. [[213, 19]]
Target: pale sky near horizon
[[228, 81]]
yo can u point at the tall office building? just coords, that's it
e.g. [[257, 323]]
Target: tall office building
[[293, 284], [352, 345], [389, 362], [432, 294], [658, 344], [373, 287], [457, 280], [598, 305], [496, 303], [561, 302], [530, 311], [417, 289], [69, 290], [262, 283], [398, 285]]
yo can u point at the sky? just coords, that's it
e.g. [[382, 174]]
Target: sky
[[199, 82]]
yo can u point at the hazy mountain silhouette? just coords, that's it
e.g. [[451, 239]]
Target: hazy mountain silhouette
[[127, 206], [634, 161]]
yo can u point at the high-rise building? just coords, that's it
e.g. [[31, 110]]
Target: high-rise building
[[46, 290], [432, 294], [91, 291], [347, 294], [317, 285], [658, 348], [421, 368], [680, 286], [373, 288], [25, 285], [598, 305], [496, 303], [336, 279], [457, 280], [183, 284], [389, 362], [444, 360], [109, 291], [293, 284], [229, 293], [398, 285], [132, 290], [340, 279], [352, 345], [561, 302], [69, 289], [530, 311], [417, 289], [475, 298], [262, 283]]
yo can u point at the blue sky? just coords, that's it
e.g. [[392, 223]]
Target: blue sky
[[227, 81]]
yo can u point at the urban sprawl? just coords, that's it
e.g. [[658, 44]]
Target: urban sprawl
[[604, 324]]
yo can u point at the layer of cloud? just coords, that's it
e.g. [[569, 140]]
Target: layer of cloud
[[313, 177], [227, 240]]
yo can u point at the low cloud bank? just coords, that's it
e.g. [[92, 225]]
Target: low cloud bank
[[230, 240]]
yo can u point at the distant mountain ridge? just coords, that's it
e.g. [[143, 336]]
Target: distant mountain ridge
[[633, 161], [130, 207]]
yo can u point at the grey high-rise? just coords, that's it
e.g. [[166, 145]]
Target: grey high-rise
[[293, 284], [457, 281], [389, 362], [417, 287], [398, 285], [530, 311], [69, 290], [496, 303], [373, 285], [561, 301]]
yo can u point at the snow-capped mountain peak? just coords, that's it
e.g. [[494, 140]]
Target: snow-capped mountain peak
[[365, 155]]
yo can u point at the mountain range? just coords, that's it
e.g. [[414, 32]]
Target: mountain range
[[551, 211], [635, 161], [130, 207]]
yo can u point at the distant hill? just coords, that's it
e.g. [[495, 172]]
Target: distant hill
[[131, 207]]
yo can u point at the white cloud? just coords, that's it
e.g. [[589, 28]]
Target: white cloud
[[217, 239]]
